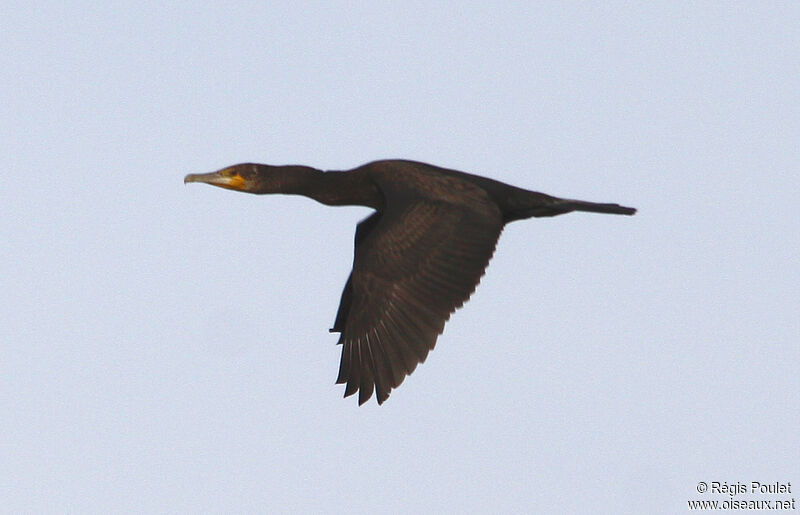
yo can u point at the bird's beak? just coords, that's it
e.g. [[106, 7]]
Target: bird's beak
[[223, 179]]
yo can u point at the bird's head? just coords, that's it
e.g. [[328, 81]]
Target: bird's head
[[258, 178], [242, 177]]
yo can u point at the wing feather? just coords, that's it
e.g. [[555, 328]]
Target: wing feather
[[415, 263]]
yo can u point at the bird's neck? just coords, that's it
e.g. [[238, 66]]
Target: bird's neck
[[331, 188]]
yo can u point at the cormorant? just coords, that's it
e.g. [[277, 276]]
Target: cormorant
[[418, 257]]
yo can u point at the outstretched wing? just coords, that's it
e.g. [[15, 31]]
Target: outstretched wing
[[415, 263]]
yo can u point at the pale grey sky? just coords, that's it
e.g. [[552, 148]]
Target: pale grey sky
[[165, 348]]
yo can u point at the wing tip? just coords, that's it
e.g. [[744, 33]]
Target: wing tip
[[364, 394]]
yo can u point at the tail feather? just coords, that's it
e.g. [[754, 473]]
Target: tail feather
[[554, 206], [520, 204], [594, 207]]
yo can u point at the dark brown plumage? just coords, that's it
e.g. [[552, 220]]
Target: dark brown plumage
[[418, 257]]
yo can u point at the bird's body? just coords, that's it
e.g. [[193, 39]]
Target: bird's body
[[417, 258]]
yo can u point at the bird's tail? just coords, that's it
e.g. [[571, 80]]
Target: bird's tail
[[593, 207], [526, 204]]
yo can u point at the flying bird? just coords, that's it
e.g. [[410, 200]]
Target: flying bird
[[417, 259]]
